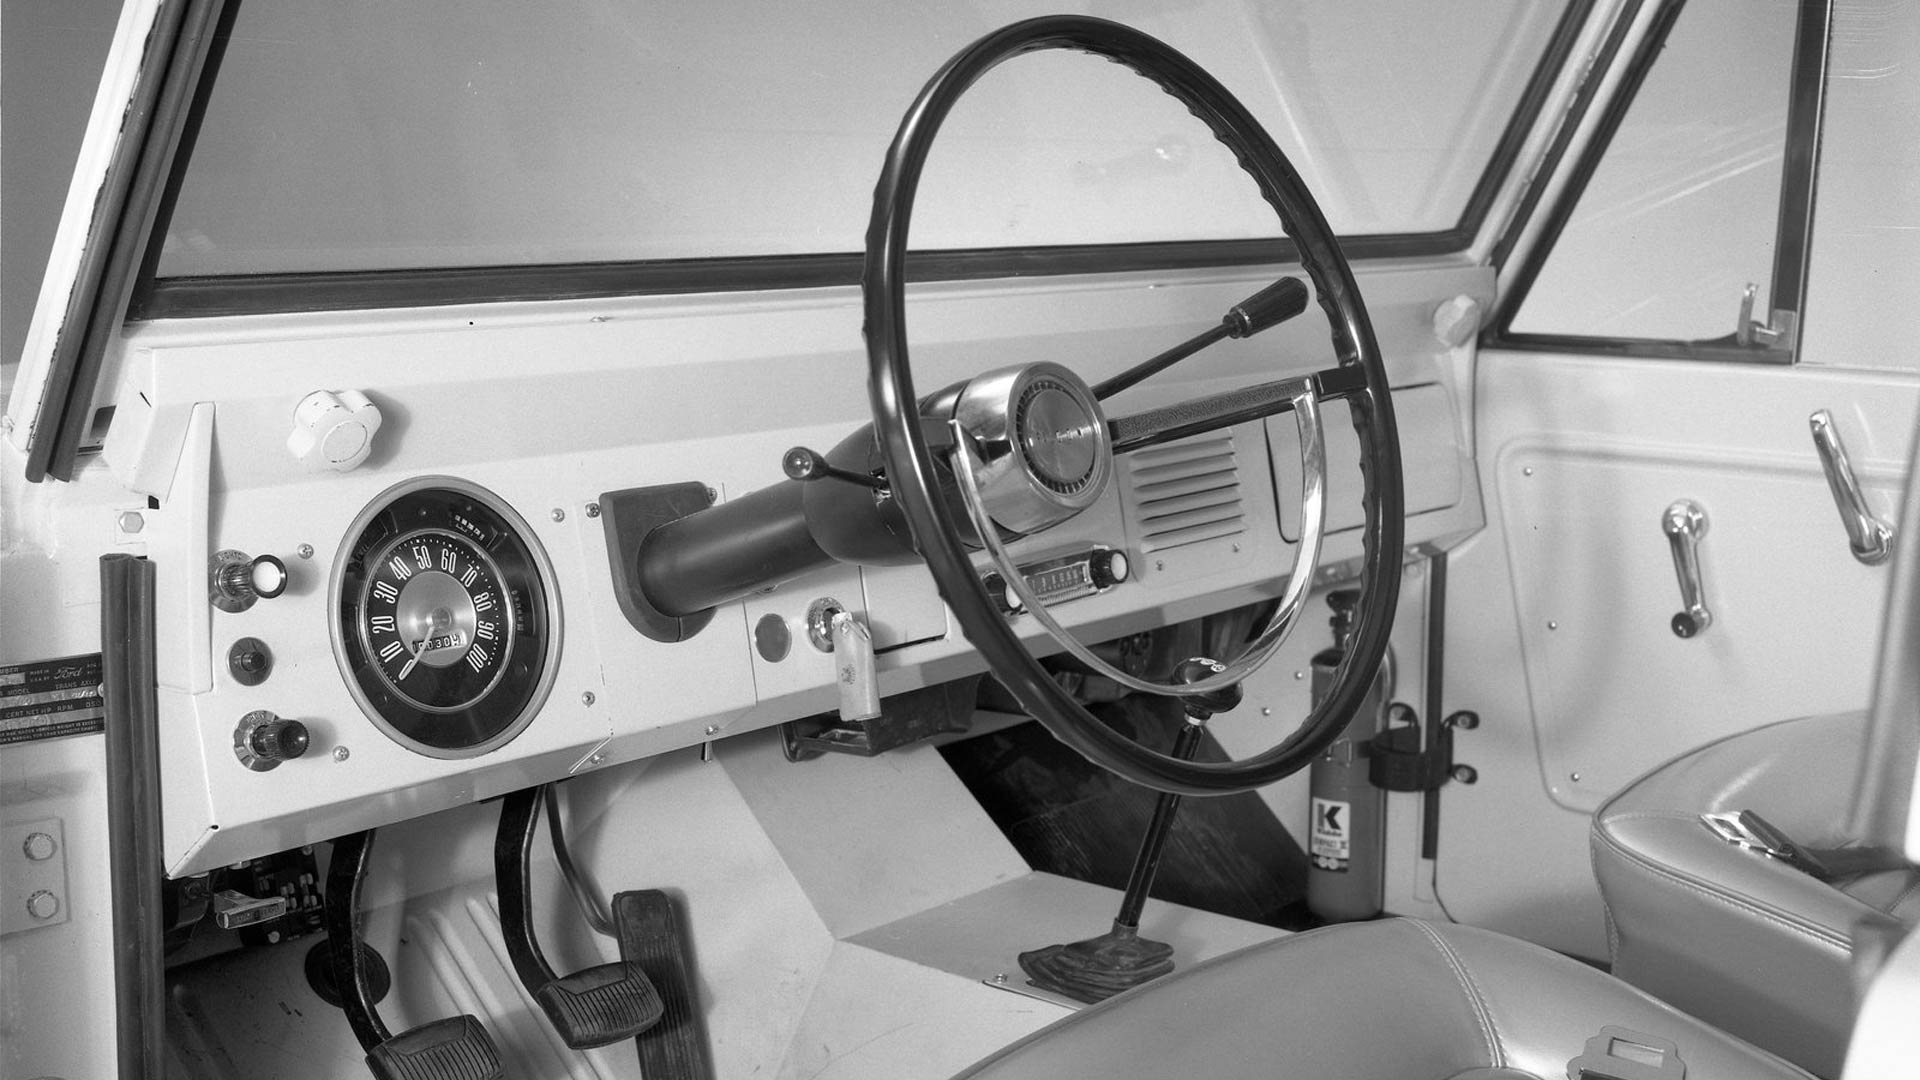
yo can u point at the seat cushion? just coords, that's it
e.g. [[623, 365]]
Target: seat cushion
[[1738, 939], [1394, 1000]]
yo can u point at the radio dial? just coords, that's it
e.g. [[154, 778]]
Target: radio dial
[[1107, 568]]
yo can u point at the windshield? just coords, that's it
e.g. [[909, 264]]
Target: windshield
[[368, 135]]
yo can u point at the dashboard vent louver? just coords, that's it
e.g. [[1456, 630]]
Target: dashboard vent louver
[[1185, 492]]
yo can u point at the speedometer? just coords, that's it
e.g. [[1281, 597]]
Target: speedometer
[[445, 618]]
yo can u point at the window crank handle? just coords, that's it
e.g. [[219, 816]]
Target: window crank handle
[[1685, 523]]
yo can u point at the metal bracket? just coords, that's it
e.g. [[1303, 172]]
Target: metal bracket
[[1777, 330]]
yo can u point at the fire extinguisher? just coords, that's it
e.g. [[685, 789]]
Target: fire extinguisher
[[1347, 832]]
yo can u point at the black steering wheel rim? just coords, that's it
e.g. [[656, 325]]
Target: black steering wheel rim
[[910, 467]]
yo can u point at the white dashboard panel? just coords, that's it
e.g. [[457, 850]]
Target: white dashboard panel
[[548, 407]]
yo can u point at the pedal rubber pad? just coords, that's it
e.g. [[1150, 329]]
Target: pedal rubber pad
[[457, 1048], [652, 936], [600, 1005]]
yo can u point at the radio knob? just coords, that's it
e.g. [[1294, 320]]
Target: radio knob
[[1002, 596], [1107, 568]]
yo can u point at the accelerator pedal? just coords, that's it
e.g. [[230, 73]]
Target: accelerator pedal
[[456, 1048], [652, 936], [597, 1006]]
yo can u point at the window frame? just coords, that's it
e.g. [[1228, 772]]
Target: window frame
[[1793, 223]]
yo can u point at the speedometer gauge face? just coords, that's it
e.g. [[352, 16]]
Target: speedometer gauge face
[[445, 623]]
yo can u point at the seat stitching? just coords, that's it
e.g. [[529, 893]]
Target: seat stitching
[[1606, 909], [1649, 815], [1905, 894], [1488, 1029], [1817, 934]]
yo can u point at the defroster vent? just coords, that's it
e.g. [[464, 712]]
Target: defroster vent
[[1185, 492]]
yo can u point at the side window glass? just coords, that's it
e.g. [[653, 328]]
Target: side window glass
[[1680, 214], [1863, 281]]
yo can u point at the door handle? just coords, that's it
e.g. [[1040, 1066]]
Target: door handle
[[1870, 538], [1685, 523]]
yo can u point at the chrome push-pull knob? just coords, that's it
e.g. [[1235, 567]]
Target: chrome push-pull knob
[[1685, 523], [1870, 538], [236, 581]]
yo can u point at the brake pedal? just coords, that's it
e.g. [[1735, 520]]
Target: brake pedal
[[593, 1007], [651, 935], [456, 1048]]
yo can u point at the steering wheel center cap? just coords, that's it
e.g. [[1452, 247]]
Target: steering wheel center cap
[[1043, 447], [1059, 436]]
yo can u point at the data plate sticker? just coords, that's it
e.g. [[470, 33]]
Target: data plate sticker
[[51, 699]]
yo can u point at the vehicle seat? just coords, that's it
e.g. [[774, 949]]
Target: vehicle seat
[[1397, 999], [1741, 939]]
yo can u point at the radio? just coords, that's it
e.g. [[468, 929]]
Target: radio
[[1066, 577]]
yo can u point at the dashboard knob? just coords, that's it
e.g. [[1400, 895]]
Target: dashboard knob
[[238, 581], [280, 740], [262, 740], [333, 430], [1107, 568]]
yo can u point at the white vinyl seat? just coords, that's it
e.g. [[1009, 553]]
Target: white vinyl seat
[[1743, 940], [1397, 999]]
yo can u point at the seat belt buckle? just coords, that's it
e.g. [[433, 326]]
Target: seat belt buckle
[[1749, 831], [1619, 1053]]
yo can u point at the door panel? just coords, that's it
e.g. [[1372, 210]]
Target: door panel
[[1558, 634]]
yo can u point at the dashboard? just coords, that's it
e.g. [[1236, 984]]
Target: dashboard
[[477, 528]]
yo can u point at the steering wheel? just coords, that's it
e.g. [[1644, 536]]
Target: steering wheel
[[1030, 446]]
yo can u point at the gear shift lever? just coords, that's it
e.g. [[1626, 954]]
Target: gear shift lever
[[1120, 959]]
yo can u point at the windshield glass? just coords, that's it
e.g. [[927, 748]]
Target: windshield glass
[[369, 135]]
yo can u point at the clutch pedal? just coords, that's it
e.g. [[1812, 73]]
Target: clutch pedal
[[456, 1048]]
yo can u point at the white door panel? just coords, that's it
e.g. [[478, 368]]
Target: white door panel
[[1558, 631]]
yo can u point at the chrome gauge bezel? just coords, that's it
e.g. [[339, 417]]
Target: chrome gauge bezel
[[497, 711]]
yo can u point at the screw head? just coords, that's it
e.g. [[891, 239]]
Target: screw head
[[1528, 471], [39, 847], [341, 753], [131, 521], [43, 905], [593, 510], [586, 697], [1552, 625], [713, 729], [1465, 774], [1266, 710], [559, 514], [305, 551]]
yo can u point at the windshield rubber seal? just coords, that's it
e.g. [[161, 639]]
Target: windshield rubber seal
[[212, 296]]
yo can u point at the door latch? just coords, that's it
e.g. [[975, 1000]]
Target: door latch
[[1748, 331], [1685, 523]]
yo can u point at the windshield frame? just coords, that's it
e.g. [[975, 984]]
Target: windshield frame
[[155, 297]]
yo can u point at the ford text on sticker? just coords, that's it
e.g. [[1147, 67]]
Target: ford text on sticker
[[1330, 839]]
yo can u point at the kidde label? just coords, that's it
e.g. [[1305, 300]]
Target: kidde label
[[1329, 842], [48, 699]]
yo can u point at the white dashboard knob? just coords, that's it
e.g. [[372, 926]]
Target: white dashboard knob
[[1455, 321], [333, 430]]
